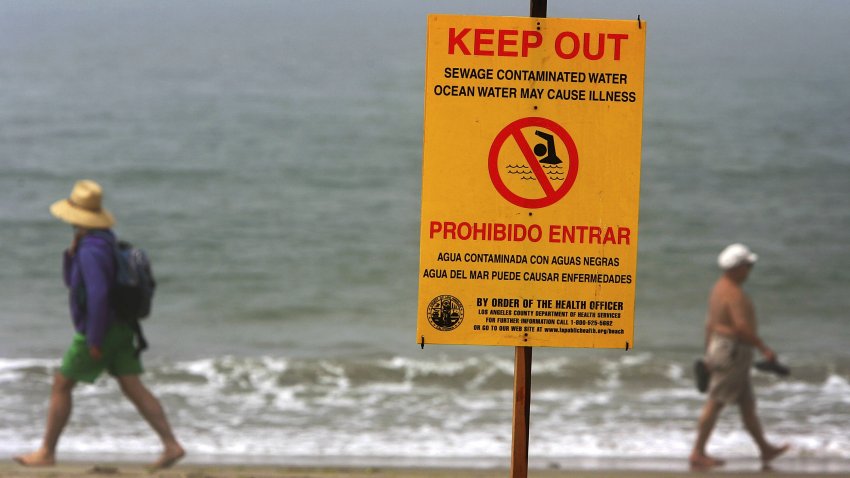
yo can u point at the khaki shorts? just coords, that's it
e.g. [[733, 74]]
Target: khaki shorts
[[729, 361], [119, 356]]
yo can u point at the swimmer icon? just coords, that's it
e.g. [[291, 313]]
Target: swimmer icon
[[547, 149]]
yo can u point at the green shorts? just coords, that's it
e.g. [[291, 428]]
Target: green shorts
[[119, 356]]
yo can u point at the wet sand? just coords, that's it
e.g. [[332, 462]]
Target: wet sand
[[88, 470]]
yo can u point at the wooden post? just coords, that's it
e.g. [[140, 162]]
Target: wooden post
[[522, 412], [522, 367], [538, 8]]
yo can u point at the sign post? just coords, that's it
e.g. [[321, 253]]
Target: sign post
[[530, 187], [522, 412], [522, 365]]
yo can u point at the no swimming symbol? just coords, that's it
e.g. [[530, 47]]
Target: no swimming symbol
[[533, 177]]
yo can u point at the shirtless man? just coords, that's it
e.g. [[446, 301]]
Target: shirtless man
[[730, 337]]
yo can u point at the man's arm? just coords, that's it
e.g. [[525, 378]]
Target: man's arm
[[97, 281], [744, 323]]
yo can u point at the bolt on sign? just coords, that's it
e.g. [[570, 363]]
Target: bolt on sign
[[530, 181]]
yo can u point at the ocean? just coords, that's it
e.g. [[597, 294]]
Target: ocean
[[268, 157]]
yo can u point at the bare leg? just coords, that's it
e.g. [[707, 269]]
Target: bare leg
[[708, 418], [753, 426], [58, 413], [150, 408]]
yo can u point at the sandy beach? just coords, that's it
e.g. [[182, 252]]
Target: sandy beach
[[12, 470]]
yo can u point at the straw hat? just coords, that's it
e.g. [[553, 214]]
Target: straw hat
[[84, 208]]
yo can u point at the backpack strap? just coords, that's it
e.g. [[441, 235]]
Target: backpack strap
[[141, 344]]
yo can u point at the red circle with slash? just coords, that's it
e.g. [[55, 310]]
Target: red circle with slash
[[551, 194]]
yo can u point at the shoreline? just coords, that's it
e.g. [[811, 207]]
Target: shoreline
[[337, 468]]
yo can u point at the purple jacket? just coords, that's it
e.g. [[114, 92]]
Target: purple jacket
[[89, 275]]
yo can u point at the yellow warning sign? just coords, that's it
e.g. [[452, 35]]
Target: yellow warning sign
[[530, 181]]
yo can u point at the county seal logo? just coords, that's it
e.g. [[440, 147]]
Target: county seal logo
[[445, 312]]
